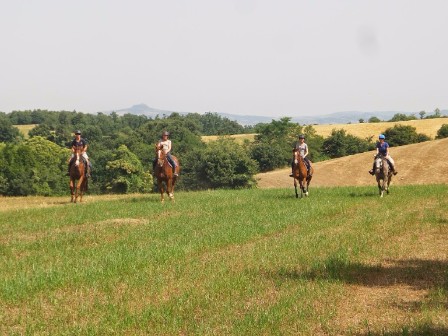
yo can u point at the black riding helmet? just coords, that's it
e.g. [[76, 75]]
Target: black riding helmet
[[77, 132], [301, 136]]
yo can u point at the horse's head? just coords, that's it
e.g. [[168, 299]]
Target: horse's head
[[160, 154], [380, 162]]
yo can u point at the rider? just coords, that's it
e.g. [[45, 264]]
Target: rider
[[166, 147], [302, 148], [79, 142], [382, 147]]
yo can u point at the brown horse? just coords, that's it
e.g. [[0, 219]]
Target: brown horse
[[301, 176], [78, 179], [383, 174], [164, 174]]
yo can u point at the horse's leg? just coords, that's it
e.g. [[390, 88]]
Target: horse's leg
[[301, 186], [378, 181], [295, 187], [72, 190], [81, 189], [162, 191], [169, 189]]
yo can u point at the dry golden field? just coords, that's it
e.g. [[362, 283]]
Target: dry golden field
[[428, 127], [422, 163], [239, 138], [24, 129]]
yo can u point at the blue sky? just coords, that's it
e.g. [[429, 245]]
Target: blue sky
[[271, 58]]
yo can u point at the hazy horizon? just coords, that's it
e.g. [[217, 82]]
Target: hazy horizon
[[243, 57]]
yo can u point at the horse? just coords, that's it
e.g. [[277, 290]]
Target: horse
[[164, 174], [383, 174], [300, 174], [78, 179]]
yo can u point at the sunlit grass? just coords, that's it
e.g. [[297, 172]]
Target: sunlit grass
[[224, 262]]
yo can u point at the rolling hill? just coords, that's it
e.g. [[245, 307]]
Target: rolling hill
[[422, 163]]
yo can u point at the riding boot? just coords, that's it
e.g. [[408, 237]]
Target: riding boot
[[68, 171], [393, 170], [372, 171], [88, 169]]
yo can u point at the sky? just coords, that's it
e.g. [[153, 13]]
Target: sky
[[265, 58]]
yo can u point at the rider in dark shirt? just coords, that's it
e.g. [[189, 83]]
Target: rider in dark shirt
[[82, 144]]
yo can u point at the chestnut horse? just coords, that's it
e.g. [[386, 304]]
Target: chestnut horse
[[301, 176], [164, 174], [383, 174], [78, 179]]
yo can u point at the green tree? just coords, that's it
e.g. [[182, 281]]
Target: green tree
[[400, 135], [34, 167], [402, 117], [227, 165], [422, 114], [340, 144], [126, 173], [42, 130], [442, 132], [8, 133], [374, 120]]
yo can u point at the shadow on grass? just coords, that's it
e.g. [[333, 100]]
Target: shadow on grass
[[416, 273], [373, 193], [419, 331]]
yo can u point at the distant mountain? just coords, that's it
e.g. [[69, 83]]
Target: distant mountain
[[332, 118], [142, 109]]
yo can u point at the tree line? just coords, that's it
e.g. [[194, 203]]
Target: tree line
[[121, 149]]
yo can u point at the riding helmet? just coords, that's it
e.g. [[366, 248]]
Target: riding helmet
[[301, 136], [165, 133], [381, 136], [78, 132]]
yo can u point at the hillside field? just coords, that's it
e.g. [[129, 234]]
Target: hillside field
[[247, 262], [422, 163]]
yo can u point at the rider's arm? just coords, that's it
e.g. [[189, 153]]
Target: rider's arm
[[306, 151], [169, 146]]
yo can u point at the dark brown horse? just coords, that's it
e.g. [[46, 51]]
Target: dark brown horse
[[301, 176], [383, 174], [78, 179], [164, 174]]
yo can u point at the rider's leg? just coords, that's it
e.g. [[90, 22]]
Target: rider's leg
[[292, 168], [172, 162], [372, 171], [391, 164], [308, 164], [86, 157]]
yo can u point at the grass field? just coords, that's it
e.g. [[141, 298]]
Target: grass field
[[249, 262]]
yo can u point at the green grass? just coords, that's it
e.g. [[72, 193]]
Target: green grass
[[224, 263]]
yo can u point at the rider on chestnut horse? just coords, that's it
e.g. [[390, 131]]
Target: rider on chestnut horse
[[79, 144], [301, 148], [166, 145]]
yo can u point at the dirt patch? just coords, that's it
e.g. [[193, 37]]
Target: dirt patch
[[422, 163]]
